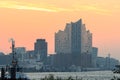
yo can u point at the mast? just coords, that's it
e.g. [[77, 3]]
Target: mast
[[13, 50]]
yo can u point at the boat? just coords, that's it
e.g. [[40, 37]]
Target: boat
[[13, 71]]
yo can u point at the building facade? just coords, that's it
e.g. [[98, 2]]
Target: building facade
[[73, 46], [21, 53], [106, 63], [40, 48], [74, 39], [94, 56]]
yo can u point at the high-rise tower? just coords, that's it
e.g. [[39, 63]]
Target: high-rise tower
[[40, 48], [74, 39]]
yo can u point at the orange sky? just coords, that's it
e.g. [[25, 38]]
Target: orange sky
[[27, 20]]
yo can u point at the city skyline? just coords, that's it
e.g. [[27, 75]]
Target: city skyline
[[25, 21]]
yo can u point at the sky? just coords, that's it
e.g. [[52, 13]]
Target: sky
[[27, 20]]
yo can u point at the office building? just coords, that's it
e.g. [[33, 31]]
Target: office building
[[40, 48], [20, 53], [94, 56]]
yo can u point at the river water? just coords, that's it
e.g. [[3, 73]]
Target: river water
[[93, 75]]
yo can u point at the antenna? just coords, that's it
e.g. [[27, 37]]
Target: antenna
[[13, 68], [13, 48]]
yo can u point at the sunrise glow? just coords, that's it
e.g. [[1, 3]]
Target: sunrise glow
[[27, 20]]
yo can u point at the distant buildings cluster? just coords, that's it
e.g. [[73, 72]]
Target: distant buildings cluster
[[73, 48]]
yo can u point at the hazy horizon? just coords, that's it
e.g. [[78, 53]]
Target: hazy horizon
[[25, 21]]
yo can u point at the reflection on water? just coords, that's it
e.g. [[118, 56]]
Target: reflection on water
[[94, 75]]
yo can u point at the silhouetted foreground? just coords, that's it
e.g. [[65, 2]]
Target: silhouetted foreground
[[14, 79], [51, 77], [115, 78]]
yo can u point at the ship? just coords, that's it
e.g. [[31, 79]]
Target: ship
[[13, 71]]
